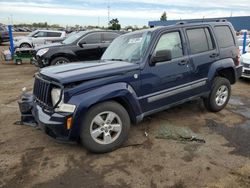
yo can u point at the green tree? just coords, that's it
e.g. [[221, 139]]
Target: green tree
[[114, 24], [163, 16]]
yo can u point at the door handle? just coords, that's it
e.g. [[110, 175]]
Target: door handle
[[183, 62], [214, 55]]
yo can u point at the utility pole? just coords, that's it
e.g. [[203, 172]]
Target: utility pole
[[108, 14]]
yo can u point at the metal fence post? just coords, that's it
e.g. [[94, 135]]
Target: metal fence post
[[244, 43], [11, 40]]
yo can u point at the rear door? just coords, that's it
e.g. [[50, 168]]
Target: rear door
[[202, 50], [90, 48]]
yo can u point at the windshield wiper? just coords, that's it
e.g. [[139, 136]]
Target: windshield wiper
[[114, 59]]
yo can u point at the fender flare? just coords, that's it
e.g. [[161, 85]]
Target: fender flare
[[220, 65], [114, 91]]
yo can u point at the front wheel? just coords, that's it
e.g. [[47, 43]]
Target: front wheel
[[219, 95], [105, 127], [59, 61]]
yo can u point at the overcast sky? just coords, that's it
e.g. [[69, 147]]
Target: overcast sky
[[129, 12]]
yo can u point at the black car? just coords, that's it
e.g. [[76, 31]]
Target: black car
[[78, 46], [4, 34]]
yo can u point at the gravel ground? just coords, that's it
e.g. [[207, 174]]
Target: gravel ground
[[30, 158]]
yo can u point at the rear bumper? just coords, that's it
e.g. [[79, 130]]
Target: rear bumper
[[239, 71], [54, 124]]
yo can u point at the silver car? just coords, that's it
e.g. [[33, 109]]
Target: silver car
[[39, 37]]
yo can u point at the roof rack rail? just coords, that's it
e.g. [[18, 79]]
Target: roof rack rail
[[200, 20]]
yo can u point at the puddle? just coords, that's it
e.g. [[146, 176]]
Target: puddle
[[236, 101], [238, 136]]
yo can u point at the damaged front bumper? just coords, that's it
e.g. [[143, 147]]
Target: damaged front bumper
[[54, 124]]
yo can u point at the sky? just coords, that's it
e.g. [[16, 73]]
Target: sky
[[128, 12]]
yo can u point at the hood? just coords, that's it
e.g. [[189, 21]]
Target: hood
[[20, 37], [82, 71], [246, 58], [48, 45]]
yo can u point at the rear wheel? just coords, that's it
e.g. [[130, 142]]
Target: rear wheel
[[219, 95], [59, 61], [105, 127], [25, 45]]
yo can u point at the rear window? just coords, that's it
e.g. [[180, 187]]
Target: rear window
[[200, 40], [224, 36], [54, 34]]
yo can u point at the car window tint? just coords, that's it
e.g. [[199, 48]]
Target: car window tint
[[224, 36], [199, 40], [109, 37], [93, 38], [54, 34], [171, 41]]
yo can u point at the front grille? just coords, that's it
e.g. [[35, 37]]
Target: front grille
[[247, 72], [42, 89]]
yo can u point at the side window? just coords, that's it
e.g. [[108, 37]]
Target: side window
[[54, 34], [200, 40], [224, 36], [171, 41], [109, 37], [93, 38], [41, 34]]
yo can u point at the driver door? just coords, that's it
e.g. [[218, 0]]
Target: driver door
[[39, 38], [166, 82], [89, 47]]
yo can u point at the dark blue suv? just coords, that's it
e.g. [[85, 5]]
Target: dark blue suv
[[140, 73]]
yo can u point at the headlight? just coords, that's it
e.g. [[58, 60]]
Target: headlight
[[61, 107], [42, 51], [55, 95]]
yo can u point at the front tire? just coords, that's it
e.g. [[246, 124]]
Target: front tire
[[219, 95], [105, 127], [59, 61], [25, 45]]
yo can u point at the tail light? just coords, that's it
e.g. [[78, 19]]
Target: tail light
[[237, 59]]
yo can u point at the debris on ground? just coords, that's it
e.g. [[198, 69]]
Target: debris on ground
[[168, 131]]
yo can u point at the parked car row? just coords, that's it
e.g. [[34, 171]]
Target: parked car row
[[78, 46]]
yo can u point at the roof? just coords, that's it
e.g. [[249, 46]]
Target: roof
[[239, 22]]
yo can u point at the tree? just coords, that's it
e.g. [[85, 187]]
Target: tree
[[164, 16], [114, 24]]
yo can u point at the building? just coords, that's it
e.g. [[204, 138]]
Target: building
[[239, 22]]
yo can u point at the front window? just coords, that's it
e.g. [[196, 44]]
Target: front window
[[130, 47], [73, 37]]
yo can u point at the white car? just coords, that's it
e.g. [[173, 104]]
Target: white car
[[39, 37], [245, 60]]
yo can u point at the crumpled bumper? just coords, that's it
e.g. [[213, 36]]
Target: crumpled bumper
[[54, 124]]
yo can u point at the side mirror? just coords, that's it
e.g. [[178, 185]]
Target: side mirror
[[81, 44], [161, 56]]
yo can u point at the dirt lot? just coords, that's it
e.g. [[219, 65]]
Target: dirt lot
[[29, 158]]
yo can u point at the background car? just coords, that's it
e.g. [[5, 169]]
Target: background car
[[78, 46], [245, 59], [4, 34], [39, 37]]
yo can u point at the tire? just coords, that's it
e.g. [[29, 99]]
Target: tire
[[25, 45], [59, 61], [95, 122], [219, 95]]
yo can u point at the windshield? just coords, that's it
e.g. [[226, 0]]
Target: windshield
[[129, 47], [73, 37]]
